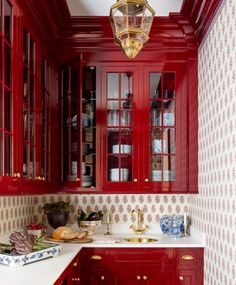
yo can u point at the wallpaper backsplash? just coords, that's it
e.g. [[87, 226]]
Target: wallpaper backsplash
[[120, 206], [213, 211], [16, 212]]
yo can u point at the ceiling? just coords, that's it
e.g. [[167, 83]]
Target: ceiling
[[102, 7]]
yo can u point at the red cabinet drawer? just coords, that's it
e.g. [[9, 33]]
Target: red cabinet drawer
[[140, 256], [95, 257], [189, 257]]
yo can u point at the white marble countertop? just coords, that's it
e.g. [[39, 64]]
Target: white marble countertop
[[47, 271]]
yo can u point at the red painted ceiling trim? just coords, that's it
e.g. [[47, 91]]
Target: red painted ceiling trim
[[66, 34]]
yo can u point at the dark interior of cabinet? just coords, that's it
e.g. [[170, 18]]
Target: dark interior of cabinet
[[78, 127]]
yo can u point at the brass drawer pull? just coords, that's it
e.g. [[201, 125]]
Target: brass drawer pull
[[96, 257], [187, 257]]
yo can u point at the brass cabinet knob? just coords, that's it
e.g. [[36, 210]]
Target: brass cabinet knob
[[146, 179], [181, 278], [138, 277], [102, 277], [187, 257], [96, 257], [75, 264], [76, 279], [145, 277], [135, 180], [77, 179]]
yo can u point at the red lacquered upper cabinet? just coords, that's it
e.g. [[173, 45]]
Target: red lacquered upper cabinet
[[144, 129], [9, 177], [35, 122]]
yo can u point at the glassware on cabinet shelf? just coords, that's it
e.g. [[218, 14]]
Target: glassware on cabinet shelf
[[79, 140], [162, 126], [119, 127]]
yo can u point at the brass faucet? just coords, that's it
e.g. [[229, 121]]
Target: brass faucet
[[140, 229]]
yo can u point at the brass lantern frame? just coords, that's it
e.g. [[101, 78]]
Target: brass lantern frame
[[131, 39]]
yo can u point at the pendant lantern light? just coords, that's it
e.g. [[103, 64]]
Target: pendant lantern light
[[131, 22]]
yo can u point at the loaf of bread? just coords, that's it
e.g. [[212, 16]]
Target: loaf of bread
[[64, 233]]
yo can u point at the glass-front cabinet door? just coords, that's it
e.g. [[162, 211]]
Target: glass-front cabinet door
[[78, 126], [143, 134], [162, 129], [119, 127], [165, 131]]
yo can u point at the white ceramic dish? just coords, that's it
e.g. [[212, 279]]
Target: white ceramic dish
[[123, 148], [117, 174], [19, 260]]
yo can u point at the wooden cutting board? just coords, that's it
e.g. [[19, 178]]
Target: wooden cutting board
[[76, 240]]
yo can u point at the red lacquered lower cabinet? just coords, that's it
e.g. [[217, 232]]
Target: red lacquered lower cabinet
[[72, 274], [142, 266], [143, 276]]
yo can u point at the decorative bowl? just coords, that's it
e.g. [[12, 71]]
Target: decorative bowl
[[57, 219], [39, 233], [89, 226]]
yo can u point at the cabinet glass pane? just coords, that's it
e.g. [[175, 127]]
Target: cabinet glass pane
[[169, 113], [31, 54], [25, 122], [112, 85], [45, 76], [7, 56], [155, 85], [32, 128], [88, 163], [25, 160], [8, 111], [119, 128], [126, 85], [168, 168], [169, 141], [162, 126], [32, 161], [7, 20], [30, 145], [8, 155], [25, 47], [156, 168]]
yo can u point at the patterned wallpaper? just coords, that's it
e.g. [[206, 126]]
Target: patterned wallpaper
[[16, 212], [120, 206], [213, 211]]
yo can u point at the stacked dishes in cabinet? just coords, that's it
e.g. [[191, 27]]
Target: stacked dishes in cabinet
[[87, 179], [120, 174]]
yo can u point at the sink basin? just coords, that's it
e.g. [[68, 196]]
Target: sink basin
[[141, 239]]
